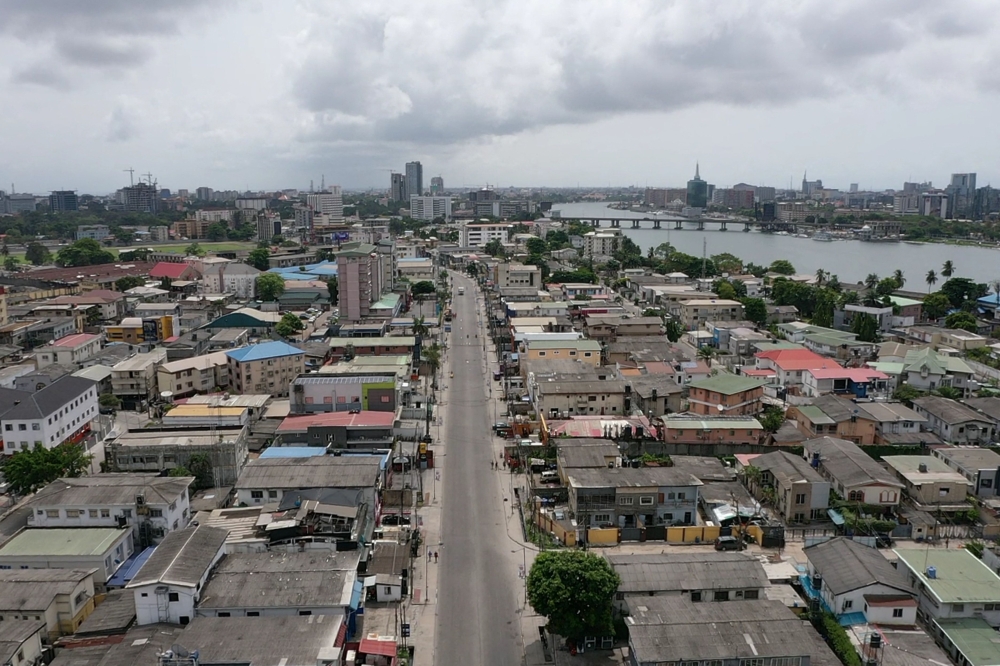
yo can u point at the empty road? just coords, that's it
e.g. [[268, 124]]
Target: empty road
[[478, 586]]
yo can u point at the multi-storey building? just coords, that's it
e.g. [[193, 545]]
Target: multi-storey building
[[329, 203], [70, 350], [437, 185], [199, 374], [601, 245], [359, 274], [397, 187], [98, 232], [60, 412], [517, 275], [63, 201], [134, 379], [156, 451], [266, 368], [430, 208], [191, 228], [141, 198], [414, 179], [726, 395], [478, 234]]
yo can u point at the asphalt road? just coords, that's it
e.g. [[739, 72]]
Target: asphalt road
[[478, 602]]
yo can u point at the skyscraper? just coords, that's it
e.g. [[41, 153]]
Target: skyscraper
[[61, 201], [397, 188], [330, 202], [697, 190], [414, 179], [963, 193], [437, 185], [141, 198]]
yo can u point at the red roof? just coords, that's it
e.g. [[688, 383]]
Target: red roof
[[386, 648], [754, 372], [169, 269], [797, 359], [370, 419], [74, 340]]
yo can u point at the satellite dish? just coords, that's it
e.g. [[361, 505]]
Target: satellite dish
[[720, 407]]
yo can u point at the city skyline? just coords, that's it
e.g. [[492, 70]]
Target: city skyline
[[850, 93]]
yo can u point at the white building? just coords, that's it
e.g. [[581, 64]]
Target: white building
[[328, 203], [601, 245], [69, 350], [168, 586], [429, 208], [60, 412], [515, 274], [952, 584], [198, 374], [478, 234], [101, 548], [151, 504]]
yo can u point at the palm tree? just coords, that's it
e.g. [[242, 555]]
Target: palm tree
[[706, 353], [948, 269], [871, 281], [931, 280], [821, 276], [420, 328], [432, 357], [898, 277]]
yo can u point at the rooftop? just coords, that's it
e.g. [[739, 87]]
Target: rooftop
[[75, 340], [267, 350], [31, 405], [848, 464], [112, 489], [847, 565], [62, 542], [974, 638], [960, 577], [670, 572], [36, 589], [202, 362], [630, 477], [279, 580], [949, 411], [183, 557], [362, 419], [187, 437], [970, 457], [692, 422], [581, 344], [315, 472], [988, 406], [934, 470], [727, 384], [787, 467], [890, 412], [267, 641]]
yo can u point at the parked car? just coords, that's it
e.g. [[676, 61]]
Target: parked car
[[729, 543]]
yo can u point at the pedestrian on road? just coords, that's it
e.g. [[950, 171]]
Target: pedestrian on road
[[435, 557]]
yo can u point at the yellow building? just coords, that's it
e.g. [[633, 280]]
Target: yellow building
[[588, 351], [134, 330]]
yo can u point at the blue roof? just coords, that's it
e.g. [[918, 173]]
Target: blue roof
[[130, 568], [293, 452], [321, 271], [263, 351], [992, 299]]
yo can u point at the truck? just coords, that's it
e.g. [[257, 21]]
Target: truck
[[461, 291]]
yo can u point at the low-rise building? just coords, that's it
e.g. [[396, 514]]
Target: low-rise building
[[265, 368], [952, 584], [832, 416], [854, 382], [694, 313], [854, 475], [353, 430], [268, 479], [655, 395], [799, 493], [60, 598], [610, 328], [895, 423], [979, 466], [198, 374], [929, 483], [71, 350], [626, 497], [134, 379], [169, 585], [151, 505], [554, 398], [588, 351], [60, 412], [928, 370], [21, 643], [155, 451], [697, 430], [103, 549], [514, 274], [949, 338], [393, 345], [726, 395], [695, 576], [953, 422], [853, 578], [343, 392]]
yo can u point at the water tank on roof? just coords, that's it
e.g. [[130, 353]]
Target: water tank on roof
[[932, 572], [817, 581]]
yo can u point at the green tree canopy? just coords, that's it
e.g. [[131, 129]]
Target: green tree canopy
[[936, 305], [725, 290], [195, 249], [129, 282], [674, 330], [217, 231], [289, 325], [270, 286], [422, 288], [109, 400], [573, 589], [84, 252], [258, 258], [782, 266], [865, 327], [960, 290], [962, 320], [755, 310], [333, 287], [27, 471], [37, 254], [728, 263], [772, 418]]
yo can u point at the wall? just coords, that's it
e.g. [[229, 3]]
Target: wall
[[146, 604]]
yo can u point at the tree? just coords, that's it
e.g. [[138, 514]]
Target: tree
[[333, 287], [995, 286], [289, 325], [674, 331], [84, 252], [27, 471], [907, 394], [782, 266], [420, 328], [755, 310], [216, 231], [200, 465], [422, 288], [536, 246], [930, 279], [270, 286], [10, 263], [706, 353], [258, 258], [886, 286], [728, 263], [179, 471], [898, 277], [821, 276], [573, 590], [865, 327], [961, 320], [726, 290], [772, 418], [949, 392], [961, 290], [195, 250], [871, 281], [129, 282], [948, 269], [432, 357], [37, 254], [109, 400], [936, 305], [494, 248]]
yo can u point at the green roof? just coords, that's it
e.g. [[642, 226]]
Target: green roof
[[387, 302], [582, 344], [815, 415], [974, 638], [834, 340], [936, 364], [727, 384], [384, 341], [66, 541], [960, 576], [776, 345]]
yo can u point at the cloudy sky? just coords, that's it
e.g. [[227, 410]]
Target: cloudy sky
[[270, 94]]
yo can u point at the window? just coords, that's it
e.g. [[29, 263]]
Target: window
[[751, 662], [72, 513], [305, 612], [22, 426], [800, 498], [848, 604], [785, 661], [681, 496], [105, 513], [127, 513], [695, 595], [253, 613], [991, 607], [943, 491], [646, 500], [958, 608], [625, 501], [173, 596], [52, 513], [257, 494], [856, 496], [156, 513], [36, 426], [272, 494], [92, 513], [897, 612], [602, 517], [721, 595], [222, 614], [144, 594], [750, 594]]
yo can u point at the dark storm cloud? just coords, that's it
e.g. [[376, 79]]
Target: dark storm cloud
[[381, 72]]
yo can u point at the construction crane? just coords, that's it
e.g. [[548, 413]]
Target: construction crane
[[131, 178]]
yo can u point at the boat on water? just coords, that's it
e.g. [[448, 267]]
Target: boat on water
[[823, 236]]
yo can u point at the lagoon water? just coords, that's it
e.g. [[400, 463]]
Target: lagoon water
[[850, 260]]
